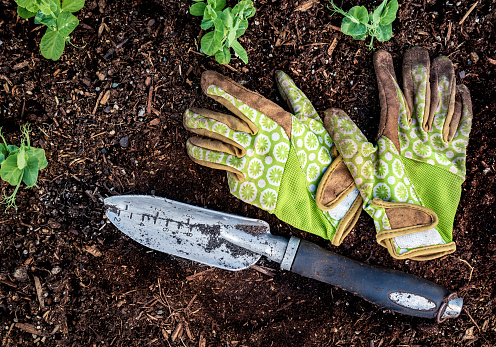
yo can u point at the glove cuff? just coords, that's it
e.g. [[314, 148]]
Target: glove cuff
[[337, 193], [408, 219]]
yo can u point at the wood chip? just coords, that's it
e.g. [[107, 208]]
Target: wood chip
[[469, 335], [93, 250], [306, 5], [203, 341], [29, 328], [188, 332], [332, 46], [105, 97], [150, 100], [39, 292], [492, 61], [21, 65], [155, 121], [177, 331]]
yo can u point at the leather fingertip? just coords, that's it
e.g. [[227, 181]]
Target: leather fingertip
[[416, 56], [382, 58], [334, 186], [464, 93], [210, 77]]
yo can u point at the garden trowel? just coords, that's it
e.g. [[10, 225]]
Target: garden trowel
[[234, 243]]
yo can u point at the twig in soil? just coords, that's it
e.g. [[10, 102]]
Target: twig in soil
[[112, 50], [448, 36], [468, 13], [332, 46], [4, 341], [178, 330], [149, 84], [98, 102], [230, 67], [23, 107], [262, 270], [192, 277], [188, 307], [473, 321], [39, 292], [334, 27], [470, 266]]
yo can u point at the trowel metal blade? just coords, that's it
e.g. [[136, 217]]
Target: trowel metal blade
[[183, 230]]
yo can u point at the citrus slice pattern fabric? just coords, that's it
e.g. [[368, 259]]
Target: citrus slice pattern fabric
[[429, 163], [258, 173]]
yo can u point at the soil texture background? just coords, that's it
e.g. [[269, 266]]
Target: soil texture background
[[109, 117]]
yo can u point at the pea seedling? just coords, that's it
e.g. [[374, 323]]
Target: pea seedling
[[20, 164], [58, 18], [229, 24], [360, 24]]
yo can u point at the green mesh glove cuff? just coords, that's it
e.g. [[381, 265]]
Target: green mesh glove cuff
[[296, 205], [440, 191]]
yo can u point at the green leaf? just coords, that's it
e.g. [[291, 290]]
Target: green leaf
[[220, 5], [72, 5], [223, 56], [384, 32], [50, 7], [3, 150], [12, 148], [29, 5], [389, 13], [209, 44], [38, 153], [52, 45], [240, 51], [66, 23], [45, 19], [24, 13], [211, 12], [22, 159], [360, 14], [197, 9], [9, 171], [227, 18], [31, 172], [219, 31], [206, 24], [359, 37], [376, 17], [243, 25], [348, 27], [231, 36]]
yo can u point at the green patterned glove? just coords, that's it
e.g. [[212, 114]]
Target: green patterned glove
[[411, 181], [278, 161]]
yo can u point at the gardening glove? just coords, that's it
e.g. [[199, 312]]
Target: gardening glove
[[411, 181], [277, 161]]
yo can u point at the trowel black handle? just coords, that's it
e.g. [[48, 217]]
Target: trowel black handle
[[391, 289]]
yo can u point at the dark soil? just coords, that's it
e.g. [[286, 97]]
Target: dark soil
[[69, 278]]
